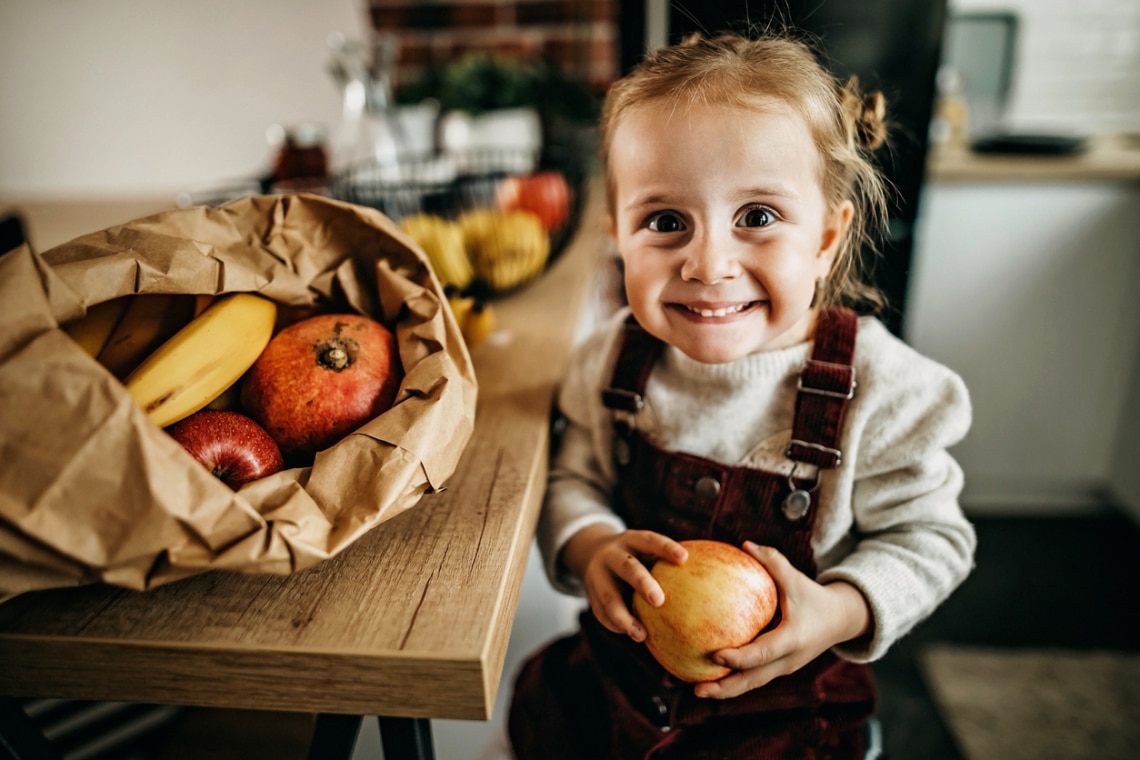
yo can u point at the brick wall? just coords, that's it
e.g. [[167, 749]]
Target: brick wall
[[579, 36]]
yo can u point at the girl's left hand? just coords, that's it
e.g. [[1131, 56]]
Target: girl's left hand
[[814, 618]]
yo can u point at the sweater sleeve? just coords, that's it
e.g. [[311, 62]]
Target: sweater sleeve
[[911, 544], [580, 481]]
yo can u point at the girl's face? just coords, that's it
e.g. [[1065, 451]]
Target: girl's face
[[722, 225]]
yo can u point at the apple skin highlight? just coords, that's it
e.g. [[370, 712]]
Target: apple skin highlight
[[720, 597]]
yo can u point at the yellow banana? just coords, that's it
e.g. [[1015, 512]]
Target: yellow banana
[[478, 324], [506, 249], [93, 329], [204, 358], [149, 319], [442, 241], [460, 308]]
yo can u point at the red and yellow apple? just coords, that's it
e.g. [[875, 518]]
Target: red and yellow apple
[[719, 597], [321, 378], [228, 444], [546, 194]]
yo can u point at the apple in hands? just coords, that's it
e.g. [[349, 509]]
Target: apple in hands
[[720, 597], [230, 445]]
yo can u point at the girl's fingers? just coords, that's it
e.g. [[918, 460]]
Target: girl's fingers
[[773, 561], [652, 544]]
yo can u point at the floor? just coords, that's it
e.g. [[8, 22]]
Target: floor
[[1065, 582], [1039, 582]]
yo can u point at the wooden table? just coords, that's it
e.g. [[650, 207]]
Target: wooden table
[[410, 623]]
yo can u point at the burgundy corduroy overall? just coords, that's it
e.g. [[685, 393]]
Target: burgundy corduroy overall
[[597, 694]]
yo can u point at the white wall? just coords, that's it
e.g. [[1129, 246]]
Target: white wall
[[134, 97]]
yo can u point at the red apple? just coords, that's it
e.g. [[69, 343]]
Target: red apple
[[719, 597], [321, 378], [546, 194], [230, 445]]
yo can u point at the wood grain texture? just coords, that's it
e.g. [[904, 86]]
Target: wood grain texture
[[412, 620]]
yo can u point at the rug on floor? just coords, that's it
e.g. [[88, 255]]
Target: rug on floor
[[1040, 704]]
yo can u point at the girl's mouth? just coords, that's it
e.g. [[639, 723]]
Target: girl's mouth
[[720, 311]]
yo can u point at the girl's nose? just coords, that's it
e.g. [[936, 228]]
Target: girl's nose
[[710, 259]]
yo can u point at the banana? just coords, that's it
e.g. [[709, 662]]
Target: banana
[[478, 324], [506, 249], [93, 329], [149, 319], [442, 241], [204, 358], [201, 302], [460, 307]]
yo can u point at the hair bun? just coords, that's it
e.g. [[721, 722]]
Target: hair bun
[[866, 114], [871, 125]]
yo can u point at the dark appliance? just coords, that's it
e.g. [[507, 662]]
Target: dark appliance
[[891, 45]]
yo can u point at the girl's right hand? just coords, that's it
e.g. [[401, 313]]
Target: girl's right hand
[[607, 562]]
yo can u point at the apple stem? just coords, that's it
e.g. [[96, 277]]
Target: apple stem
[[337, 358]]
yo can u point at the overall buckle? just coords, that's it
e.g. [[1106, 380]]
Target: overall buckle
[[828, 381]]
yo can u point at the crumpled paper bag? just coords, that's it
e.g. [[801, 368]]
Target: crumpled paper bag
[[91, 490]]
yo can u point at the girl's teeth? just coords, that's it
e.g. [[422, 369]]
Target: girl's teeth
[[720, 312]]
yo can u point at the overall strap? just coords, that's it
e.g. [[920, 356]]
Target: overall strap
[[827, 382], [637, 353]]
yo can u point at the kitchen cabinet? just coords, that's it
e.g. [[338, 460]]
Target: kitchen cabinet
[[1025, 282]]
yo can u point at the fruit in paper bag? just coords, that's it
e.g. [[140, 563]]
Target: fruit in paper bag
[[442, 241], [234, 448], [147, 322], [204, 358], [506, 249], [322, 378], [546, 194], [720, 597], [94, 329]]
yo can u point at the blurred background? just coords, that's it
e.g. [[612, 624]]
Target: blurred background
[[1013, 256]]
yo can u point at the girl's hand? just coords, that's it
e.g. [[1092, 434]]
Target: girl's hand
[[609, 562], [814, 619]]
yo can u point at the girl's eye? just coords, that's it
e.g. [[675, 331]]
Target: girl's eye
[[665, 221], [756, 216]]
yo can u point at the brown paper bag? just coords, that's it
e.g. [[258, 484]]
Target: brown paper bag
[[91, 490]]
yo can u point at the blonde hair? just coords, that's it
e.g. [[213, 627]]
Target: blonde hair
[[846, 125]]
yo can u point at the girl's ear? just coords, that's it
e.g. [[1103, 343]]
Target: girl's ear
[[611, 225], [834, 231]]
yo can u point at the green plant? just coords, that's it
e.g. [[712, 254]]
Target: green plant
[[480, 81]]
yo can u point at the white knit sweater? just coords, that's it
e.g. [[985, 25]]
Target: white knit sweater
[[889, 519]]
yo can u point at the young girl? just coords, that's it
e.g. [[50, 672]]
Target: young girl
[[739, 399]]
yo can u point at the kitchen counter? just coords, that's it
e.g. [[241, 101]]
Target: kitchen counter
[[1113, 158]]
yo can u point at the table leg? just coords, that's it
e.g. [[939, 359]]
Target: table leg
[[20, 739], [334, 737], [406, 739]]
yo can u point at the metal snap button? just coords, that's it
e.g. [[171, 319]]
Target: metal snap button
[[797, 504], [707, 487]]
